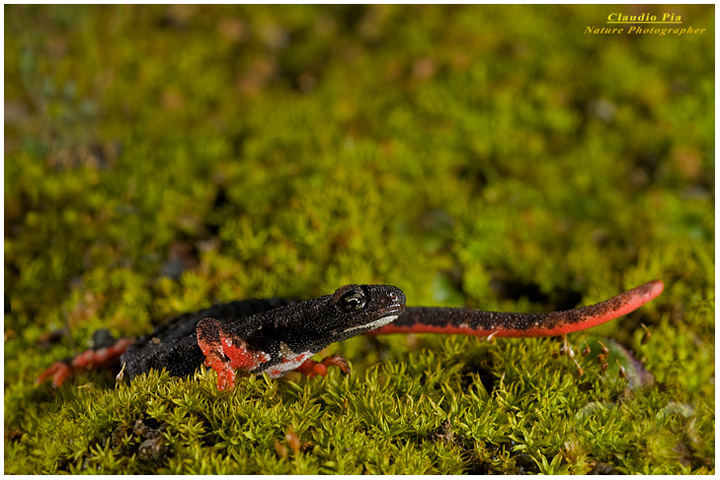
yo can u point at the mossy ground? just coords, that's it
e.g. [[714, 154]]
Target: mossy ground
[[158, 159]]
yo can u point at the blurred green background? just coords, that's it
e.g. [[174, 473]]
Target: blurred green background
[[161, 158]]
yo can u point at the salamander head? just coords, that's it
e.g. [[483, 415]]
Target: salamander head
[[355, 309], [291, 334], [295, 332]]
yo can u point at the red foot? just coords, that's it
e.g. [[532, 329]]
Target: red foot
[[311, 368], [87, 360], [59, 371], [225, 351], [225, 373]]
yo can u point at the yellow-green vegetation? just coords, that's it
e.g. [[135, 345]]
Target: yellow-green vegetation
[[159, 159]]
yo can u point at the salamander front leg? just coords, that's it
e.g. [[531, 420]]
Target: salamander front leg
[[311, 368], [225, 351]]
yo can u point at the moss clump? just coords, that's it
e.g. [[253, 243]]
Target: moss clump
[[162, 158]]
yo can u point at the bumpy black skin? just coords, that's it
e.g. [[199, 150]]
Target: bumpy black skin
[[264, 325], [174, 346]]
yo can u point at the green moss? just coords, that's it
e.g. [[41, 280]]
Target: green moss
[[159, 159]]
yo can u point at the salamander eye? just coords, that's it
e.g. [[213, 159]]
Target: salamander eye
[[352, 301]]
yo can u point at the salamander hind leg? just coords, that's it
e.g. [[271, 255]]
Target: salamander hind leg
[[59, 371], [88, 360]]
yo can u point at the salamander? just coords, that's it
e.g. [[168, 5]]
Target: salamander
[[275, 336]]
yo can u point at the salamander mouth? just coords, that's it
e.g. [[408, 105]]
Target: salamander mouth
[[388, 315], [395, 310]]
